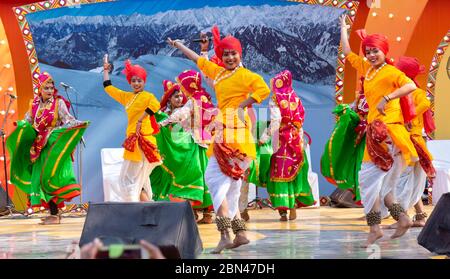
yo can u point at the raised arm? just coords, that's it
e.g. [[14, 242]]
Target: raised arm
[[344, 36], [106, 68], [184, 49]]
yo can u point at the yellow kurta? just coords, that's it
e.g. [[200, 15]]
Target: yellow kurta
[[135, 105], [386, 81], [422, 105], [230, 93]]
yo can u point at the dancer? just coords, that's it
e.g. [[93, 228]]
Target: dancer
[[40, 149], [413, 180], [287, 185], [141, 154], [343, 154], [233, 146], [388, 146], [184, 148]]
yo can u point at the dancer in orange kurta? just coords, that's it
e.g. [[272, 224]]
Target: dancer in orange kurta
[[388, 145], [233, 145]]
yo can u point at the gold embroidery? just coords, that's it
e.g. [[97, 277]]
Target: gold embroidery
[[279, 83]]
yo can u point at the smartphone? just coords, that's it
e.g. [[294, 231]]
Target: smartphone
[[121, 251]]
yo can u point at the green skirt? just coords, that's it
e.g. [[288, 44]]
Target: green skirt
[[51, 177], [184, 164], [342, 158], [257, 172], [286, 195]]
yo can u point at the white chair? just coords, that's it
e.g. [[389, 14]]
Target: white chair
[[313, 179], [440, 149], [112, 159]]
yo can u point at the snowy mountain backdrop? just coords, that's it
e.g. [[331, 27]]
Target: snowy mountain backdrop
[[301, 38]]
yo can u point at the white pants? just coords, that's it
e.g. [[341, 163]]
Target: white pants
[[375, 183], [135, 176], [410, 192], [223, 187]]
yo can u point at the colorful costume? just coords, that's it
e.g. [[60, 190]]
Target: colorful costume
[[343, 154], [141, 155], [40, 149], [287, 184], [388, 146], [233, 146], [182, 144], [412, 182]]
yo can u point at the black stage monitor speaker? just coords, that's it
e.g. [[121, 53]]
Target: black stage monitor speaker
[[435, 236], [160, 223]]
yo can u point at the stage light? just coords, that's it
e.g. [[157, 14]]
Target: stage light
[[391, 15], [1, 88], [12, 111], [374, 14], [408, 18], [2, 42], [11, 89], [399, 39], [7, 66]]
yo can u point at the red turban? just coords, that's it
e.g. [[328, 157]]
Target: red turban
[[379, 41], [411, 67], [134, 70], [229, 42]]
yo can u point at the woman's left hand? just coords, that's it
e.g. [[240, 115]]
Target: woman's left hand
[[381, 105]]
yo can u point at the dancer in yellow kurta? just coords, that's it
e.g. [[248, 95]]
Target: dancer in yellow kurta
[[410, 188], [388, 145], [233, 146], [141, 155]]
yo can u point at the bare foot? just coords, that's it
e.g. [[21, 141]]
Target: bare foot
[[239, 240], [373, 236], [292, 214], [283, 218], [390, 227], [419, 223], [207, 219], [224, 243], [245, 216], [403, 225], [51, 220]]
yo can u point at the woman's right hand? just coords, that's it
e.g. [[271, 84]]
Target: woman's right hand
[[343, 23], [172, 43], [106, 66]]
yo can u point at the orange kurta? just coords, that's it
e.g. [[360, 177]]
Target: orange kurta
[[135, 105], [386, 81], [230, 93], [422, 105]]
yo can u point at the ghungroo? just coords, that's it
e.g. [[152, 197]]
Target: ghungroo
[[396, 209], [223, 223], [373, 218], [238, 225], [420, 216]]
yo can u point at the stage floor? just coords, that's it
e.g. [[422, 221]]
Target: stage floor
[[330, 233]]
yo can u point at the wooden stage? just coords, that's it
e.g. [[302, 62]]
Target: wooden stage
[[324, 232]]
